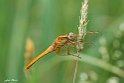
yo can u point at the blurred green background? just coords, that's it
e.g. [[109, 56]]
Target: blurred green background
[[43, 21]]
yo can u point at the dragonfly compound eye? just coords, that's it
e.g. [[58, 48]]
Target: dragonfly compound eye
[[72, 36]]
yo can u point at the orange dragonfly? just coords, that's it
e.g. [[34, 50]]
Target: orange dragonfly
[[62, 40]]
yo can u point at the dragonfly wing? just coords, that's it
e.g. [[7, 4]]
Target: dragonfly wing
[[58, 51]]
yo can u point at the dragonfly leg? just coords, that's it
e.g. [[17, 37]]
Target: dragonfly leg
[[76, 55]]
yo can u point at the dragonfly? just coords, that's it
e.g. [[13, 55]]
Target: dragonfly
[[60, 41]]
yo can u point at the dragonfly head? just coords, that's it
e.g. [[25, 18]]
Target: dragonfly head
[[72, 36]]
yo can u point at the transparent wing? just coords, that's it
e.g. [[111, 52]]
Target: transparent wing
[[66, 50]]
